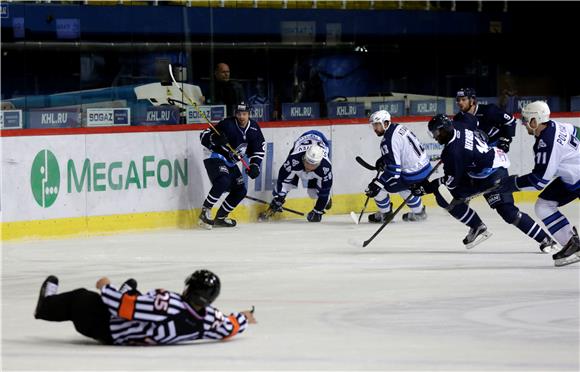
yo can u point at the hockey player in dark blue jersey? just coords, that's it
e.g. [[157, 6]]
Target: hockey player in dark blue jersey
[[498, 125], [244, 136], [124, 316], [472, 167], [557, 156], [309, 161]]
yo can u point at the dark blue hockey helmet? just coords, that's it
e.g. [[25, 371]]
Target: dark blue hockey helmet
[[466, 92], [201, 288], [242, 107], [441, 128]]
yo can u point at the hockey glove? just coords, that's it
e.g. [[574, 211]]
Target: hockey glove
[[277, 203], [253, 171], [314, 216], [380, 164], [425, 187], [218, 140], [504, 144], [373, 188]]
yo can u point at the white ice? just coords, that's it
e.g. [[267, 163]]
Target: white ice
[[414, 299]]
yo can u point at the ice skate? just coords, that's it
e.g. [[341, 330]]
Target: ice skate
[[129, 285], [379, 217], [48, 288], [205, 220], [412, 217], [224, 222], [570, 253], [548, 245], [476, 235]]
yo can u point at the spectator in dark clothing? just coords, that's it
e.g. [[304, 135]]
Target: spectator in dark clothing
[[227, 92]]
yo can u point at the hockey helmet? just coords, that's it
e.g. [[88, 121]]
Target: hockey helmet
[[242, 107], [440, 127], [201, 288], [314, 155], [538, 110], [380, 116], [466, 92]]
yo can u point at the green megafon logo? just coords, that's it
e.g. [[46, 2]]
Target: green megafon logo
[[45, 178]]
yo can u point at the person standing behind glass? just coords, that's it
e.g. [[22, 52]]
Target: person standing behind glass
[[227, 92]]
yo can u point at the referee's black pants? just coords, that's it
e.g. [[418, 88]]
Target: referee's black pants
[[84, 308]]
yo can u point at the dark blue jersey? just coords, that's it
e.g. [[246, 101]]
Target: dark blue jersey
[[466, 155], [493, 121], [248, 141]]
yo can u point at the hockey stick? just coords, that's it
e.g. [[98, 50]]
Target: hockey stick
[[352, 214], [283, 208], [456, 201], [205, 117], [368, 241], [366, 165]]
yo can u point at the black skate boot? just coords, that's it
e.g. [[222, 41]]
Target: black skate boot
[[224, 222], [205, 220], [379, 217], [412, 217], [476, 235], [570, 253], [548, 245], [130, 286], [48, 288]]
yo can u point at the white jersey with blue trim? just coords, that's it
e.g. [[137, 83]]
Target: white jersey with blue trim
[[402, 152], [557, 154]]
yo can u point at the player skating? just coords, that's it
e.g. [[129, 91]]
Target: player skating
[[403, 162], [557, 158], [244, 136], [472, 167]]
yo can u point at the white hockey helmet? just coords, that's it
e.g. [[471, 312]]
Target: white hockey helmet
[[314, 155], [380, 116], [538, 110]]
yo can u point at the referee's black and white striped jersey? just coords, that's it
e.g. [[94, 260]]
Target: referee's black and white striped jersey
[[163, 317]]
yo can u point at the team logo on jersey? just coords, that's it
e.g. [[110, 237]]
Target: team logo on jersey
[[542, 144], [224, 169], [45, 178], [295, 162], [325, 170]]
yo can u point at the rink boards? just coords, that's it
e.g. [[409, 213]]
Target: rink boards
[[93, 182]]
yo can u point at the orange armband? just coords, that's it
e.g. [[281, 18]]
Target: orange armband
[[236, 325], [127, 306]]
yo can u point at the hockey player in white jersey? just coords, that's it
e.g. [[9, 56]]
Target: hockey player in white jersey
[[404, 162], [557, 156], [308, 160]]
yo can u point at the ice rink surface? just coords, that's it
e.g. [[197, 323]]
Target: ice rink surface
[[415, 299]]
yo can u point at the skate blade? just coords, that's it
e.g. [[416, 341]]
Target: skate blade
[[480, 239], [354, 217], [204, 225], [264, 217], [567, 260], [552, 249]]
